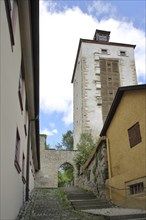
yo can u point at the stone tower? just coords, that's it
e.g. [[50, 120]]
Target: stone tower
[[100, 68]]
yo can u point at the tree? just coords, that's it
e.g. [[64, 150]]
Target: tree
[[85, 147], [58, 146], [67, 141], [65, 174]]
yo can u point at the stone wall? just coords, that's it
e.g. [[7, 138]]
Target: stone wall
[[51, 161], [94, 173]]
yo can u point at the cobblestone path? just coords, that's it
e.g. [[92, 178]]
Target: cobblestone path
[[51, 204]]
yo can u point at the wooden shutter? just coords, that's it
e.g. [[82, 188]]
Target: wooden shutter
[[134, 135], [115, 66]]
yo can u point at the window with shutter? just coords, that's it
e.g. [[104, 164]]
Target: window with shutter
[[134, 135]]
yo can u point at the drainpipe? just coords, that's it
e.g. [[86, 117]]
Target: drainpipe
[[28, 157], [109, 165]]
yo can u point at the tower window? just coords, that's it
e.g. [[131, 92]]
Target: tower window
[[104, 51], [122, 53], [110, 93]]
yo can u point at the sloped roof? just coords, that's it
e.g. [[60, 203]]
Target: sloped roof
[[116, 102]]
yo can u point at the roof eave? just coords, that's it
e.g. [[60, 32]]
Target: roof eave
[[116, 102]]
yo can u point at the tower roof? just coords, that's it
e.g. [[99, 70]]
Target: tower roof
[[101, 35]]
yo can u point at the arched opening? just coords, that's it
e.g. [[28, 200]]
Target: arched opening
[[65, 175]]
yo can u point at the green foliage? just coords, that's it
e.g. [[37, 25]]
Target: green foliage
[[58, 146], [62, 197], [67, 141], [65, 175], [85, 147]]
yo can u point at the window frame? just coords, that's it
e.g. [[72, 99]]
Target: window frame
[[11, 18], [136, 188], [23, 169], [20, 91], [104, 51], [122, 53], [17, 152]]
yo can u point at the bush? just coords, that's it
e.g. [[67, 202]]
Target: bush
[[85, 147]]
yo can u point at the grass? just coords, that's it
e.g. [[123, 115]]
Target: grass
[[66, 205], [62, 197]]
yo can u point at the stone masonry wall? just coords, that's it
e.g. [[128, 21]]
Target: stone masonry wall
[[95, 171], [51, 160]]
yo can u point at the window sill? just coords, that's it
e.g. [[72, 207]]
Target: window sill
[[137, 194]]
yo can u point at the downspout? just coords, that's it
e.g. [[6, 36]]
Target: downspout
[[109, 165]]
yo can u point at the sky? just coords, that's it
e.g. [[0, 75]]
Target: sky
[[62, 24]]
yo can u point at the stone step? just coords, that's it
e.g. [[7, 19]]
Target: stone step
[[90, 201], [126, 217], [81, 195], [90, 204], [98, 205]]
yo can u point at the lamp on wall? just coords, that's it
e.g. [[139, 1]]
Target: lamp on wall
[[28, 156]]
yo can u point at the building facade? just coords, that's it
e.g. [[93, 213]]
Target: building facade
[[19, 103], [116, 169], [125, 129], [100, 68]]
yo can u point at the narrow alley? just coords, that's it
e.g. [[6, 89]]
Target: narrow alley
[[72, 203], [51, 204]]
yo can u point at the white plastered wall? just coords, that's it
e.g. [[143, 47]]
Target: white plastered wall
[[87, 114], [12, 188]]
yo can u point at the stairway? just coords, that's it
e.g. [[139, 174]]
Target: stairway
[[87, 202], [84, 200]]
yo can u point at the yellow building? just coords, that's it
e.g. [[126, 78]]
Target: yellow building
[[125, 129]]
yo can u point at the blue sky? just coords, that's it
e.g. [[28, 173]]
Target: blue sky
[[62, 24]]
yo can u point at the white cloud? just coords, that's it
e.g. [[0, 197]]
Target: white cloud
[[101, 8], [49, 133], [59, 37], [68, 115]]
